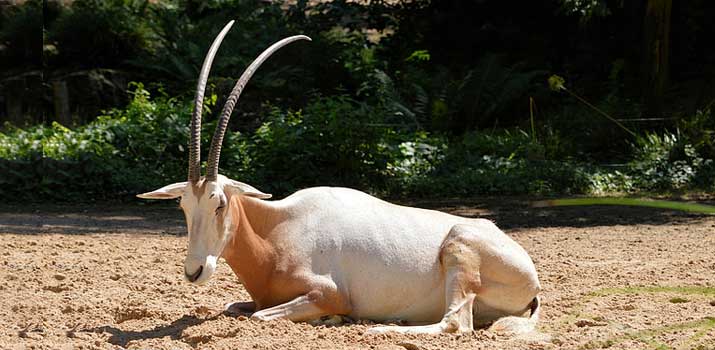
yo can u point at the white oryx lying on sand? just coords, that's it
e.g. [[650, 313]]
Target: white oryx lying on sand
[[337, 251]]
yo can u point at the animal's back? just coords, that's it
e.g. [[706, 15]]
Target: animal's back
[[384, 257]]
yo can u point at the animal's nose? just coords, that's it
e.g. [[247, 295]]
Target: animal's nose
[[193, 277]]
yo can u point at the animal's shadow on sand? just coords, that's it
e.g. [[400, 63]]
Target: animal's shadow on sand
[[509, 213], [515, 213], [173, 330], [89, 219]]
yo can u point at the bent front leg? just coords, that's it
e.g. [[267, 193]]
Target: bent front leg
[[302, 308], [324, 299]]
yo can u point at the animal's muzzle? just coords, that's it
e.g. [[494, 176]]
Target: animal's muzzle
[[193, 277]]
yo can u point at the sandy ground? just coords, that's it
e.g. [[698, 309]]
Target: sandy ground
[[110, 277]]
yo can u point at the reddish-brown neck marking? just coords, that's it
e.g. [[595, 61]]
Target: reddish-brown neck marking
[[250, 255]]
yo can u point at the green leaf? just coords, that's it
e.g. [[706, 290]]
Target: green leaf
[[556, 83], [419, 56]]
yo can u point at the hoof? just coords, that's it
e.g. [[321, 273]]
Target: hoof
[[381, 330], [258, 317], [239, 309]]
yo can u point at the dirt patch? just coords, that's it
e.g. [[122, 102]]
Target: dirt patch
[[108, 277]]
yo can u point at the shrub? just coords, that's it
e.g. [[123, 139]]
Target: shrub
[[699, 130], [500, 163], [21, 35], [99, 33], [669, 161], [113, 157], [333, 140]]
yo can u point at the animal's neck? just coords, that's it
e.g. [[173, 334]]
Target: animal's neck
[[249, 253]]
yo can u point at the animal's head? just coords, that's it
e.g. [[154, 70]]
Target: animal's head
[[205, 200]]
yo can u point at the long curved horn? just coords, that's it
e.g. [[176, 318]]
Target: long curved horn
[[195, 138], [215, 150]]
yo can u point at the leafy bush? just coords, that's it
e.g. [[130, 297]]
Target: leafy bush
[[661, 162], [333, 140], [699, 130], [112, 157], [100, 33], [669, 161], [21, 35], [585, 135], [339, 59], [509, 162], [143, 146], [32, 169]]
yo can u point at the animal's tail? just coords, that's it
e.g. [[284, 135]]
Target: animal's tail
[[519, 325]]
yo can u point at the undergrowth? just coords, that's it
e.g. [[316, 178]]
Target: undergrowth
[[334, 140]]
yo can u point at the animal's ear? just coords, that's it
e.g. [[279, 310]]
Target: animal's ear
[[166, 192], [246, 190]]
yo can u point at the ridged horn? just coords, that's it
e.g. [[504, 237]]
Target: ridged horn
[[217, 140], [195, 137]]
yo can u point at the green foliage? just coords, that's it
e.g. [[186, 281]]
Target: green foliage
[[99, 33], [340, 57], [586, 9], [582, 133], [670, 161], [419, 56], [501, 163], [182, 37], [556, 83], [332, 141], [699, 130], [21, 35], [30, 173], [382, 101], [111, 157], [456, 101]]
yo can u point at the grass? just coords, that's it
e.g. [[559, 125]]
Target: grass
[[678, 300], [683, 290], [659, 204], [648, 336]]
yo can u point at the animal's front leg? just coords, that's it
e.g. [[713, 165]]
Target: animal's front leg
[[302, 308]]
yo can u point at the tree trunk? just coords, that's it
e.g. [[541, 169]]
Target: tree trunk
[[62, 103], [656, 52], [14, 90]]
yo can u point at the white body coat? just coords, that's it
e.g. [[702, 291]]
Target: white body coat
[[386, 258]]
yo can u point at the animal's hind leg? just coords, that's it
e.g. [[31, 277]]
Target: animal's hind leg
[[460, 263]]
